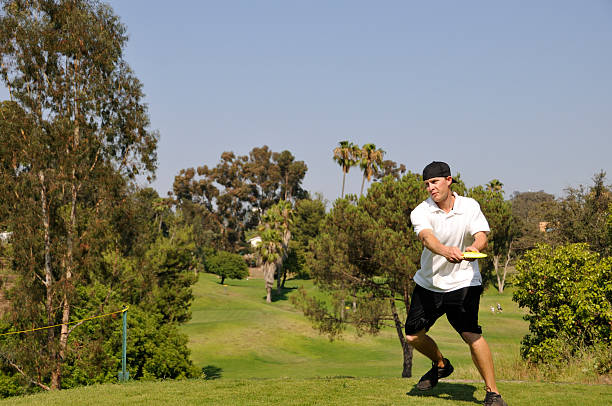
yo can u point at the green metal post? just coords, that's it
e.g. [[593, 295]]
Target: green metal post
[[124, 374]]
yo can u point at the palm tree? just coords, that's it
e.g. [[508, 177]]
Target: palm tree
[[495, 185], [371, 160], [346, 155], [274, 247]]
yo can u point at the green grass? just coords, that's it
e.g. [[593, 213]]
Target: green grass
[[323, 391], [235, 329], [271, 355]]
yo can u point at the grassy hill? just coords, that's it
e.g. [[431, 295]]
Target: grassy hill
[[323, 391], [234, 329], [270, 355]]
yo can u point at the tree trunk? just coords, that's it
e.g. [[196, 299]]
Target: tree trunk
[[406, 348], [56, 376], [500, 288], [222, 279], [508, 258], [268, 271], [362, 183], [287, 185], [284, 279], [48, 281], [343, 180]]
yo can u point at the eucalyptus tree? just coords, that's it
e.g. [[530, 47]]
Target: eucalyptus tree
[[291, 173], [582, 214], [370, 162], [77, 126], [226, 200], [532, 213], [389, 168], [346, 155]]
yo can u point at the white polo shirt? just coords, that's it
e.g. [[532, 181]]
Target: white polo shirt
[[454, 229]]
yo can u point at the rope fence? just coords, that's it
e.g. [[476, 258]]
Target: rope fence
[[66, 324], [124, 374]]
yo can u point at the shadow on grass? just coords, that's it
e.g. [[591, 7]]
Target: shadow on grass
[[452, 392], [282, 295]]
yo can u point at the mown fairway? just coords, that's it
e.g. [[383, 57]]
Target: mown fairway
[[234, 329], [324, 391]]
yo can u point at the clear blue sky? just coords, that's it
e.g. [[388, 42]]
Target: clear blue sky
[[516, 90]]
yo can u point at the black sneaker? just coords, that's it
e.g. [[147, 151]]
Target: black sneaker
[[430, 379], [494, 399]]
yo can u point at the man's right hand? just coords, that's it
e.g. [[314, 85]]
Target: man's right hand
[[429, 240], [453, 254]]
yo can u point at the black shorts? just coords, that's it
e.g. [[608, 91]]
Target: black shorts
[[460, 307]]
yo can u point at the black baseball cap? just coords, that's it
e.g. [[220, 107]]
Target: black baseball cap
[[437, 169]]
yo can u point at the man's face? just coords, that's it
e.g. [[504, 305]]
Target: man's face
[[438, 188]]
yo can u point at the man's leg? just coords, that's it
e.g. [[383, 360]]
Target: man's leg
[[440, 367], [426, 346], [481, 355]]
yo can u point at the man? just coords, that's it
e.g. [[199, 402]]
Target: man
[[448, 224]]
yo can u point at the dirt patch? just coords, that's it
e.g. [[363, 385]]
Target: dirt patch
[[256, 273]]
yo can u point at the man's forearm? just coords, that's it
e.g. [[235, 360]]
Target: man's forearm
[[429, 240], [433, 244], [480, 241]]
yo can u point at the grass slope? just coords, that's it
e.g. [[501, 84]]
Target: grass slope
[[323, 391], [234, 329]]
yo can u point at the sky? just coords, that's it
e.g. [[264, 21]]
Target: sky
[[519, 91]]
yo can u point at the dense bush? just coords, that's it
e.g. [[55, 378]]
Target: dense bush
[[227, 265], [568, 291]]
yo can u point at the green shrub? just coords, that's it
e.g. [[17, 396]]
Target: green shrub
[[227, 265], [568, 291]]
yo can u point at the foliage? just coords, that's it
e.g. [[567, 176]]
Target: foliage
[[275, 233], [347, 155], [227, 265], [157, 350], [610, 224], [498, 213], [529, 211], [367, 252], [307, 219], [73, 134], [172, 261], [129, 250], [582, 216], [10, 383], [370, 162], [389, 168], [568, 291], [225, 201]]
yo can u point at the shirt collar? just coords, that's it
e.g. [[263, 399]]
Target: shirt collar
[[457, 207]]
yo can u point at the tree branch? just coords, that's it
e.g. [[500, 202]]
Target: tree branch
[[22, 373]]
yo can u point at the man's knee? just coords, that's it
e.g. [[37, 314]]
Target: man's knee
[[470, 338], [416, 337]]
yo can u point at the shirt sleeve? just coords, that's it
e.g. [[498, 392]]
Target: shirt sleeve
[[419, 220], [478, 222]]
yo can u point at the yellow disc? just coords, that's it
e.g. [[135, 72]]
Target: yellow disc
[[472, 255]]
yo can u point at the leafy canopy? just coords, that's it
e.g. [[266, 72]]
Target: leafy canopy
[[568, 292]]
